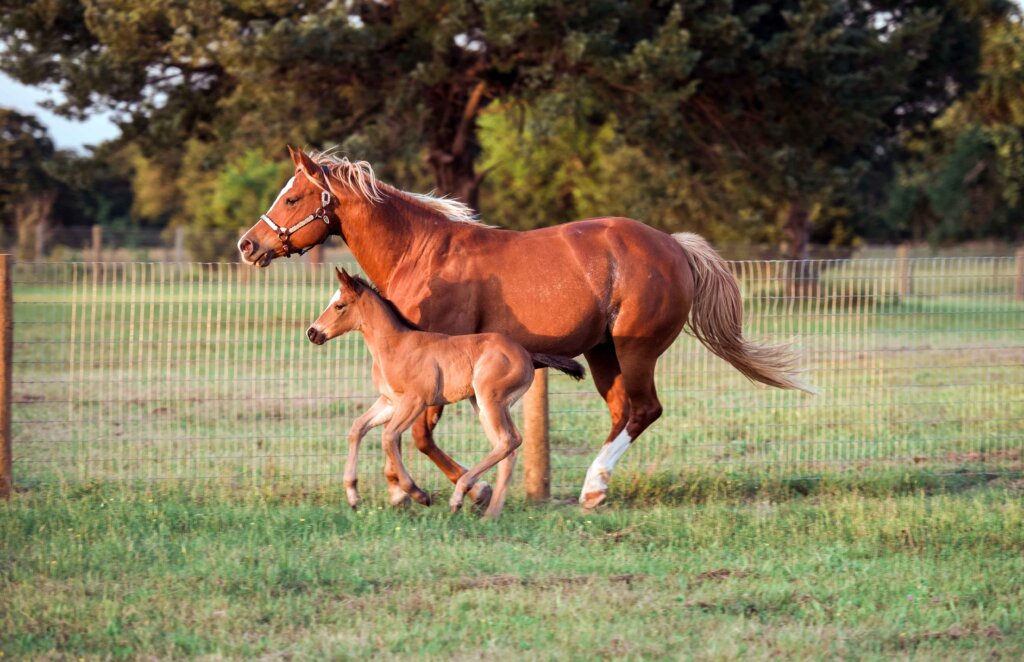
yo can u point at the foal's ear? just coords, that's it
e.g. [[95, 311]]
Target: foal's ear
[[295, 156], [346, 281]]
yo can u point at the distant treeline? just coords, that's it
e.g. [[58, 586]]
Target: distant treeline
[[781, 122]]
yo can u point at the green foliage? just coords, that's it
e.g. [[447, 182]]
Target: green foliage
[[740, 120], [964, 181], [220, 205]]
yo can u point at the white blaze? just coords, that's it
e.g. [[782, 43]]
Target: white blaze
[[287, 187], [334, 299], [601, 469]]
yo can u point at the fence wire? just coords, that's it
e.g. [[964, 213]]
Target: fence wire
[[201, 372]]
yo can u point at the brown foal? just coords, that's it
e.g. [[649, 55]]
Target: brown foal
[[414, 370]]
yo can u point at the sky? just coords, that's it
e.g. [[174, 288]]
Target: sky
[[66, 134]]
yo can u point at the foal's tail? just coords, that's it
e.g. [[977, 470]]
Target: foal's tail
[[560, 363], [716, 319]]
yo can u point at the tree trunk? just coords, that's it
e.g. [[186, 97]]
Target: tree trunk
[[796, 232], [454, 145]]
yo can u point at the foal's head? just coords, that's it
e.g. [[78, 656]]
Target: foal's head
[[343, 314]]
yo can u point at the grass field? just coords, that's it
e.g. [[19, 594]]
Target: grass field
[[900, 565], [177, 455]]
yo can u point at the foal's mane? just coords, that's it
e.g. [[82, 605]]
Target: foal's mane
[[358, 177], [388, 305]]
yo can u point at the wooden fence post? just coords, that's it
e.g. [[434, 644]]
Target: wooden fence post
[[97, 243], [536, 442], [179, 244], [1018, 283], [6, 355], [905, 278]]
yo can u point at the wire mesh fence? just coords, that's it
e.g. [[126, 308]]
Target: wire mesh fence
[[201, 372]]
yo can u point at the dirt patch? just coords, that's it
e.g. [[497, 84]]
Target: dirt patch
[[719, 574], [505, 581], [1013, 454]]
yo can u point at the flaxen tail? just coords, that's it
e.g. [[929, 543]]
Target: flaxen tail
[[560, 363], [716, 319]]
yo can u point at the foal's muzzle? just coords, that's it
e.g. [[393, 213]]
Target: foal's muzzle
[[316, 336]]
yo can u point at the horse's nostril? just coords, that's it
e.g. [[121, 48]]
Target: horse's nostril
[[246, 247], [313, 335]]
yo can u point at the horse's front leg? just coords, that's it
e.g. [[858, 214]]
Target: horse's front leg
[[423, 435], [379, 413]]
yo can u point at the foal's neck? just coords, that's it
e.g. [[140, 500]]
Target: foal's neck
[[381, 323]]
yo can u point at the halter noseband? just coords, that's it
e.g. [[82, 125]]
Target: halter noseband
[[284, 234]]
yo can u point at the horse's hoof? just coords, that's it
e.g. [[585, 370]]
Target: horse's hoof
[[491, 514], [420, 497], [481, 494], [591, 500], [454, 506], [353, 504]]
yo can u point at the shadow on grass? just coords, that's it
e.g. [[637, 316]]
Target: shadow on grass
[[702, 486]]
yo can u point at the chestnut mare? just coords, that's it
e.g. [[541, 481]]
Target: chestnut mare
[[414, 369], [613, 289]]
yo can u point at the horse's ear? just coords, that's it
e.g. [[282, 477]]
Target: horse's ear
[[296, 159], [340, 274], [310, 168]]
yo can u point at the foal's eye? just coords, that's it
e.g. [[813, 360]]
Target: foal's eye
[[340, 306], [291, 201]]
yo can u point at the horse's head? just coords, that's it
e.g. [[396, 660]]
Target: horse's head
[[299, 219], [343, 313]]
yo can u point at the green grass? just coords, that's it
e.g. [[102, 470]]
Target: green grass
[[897, 565]]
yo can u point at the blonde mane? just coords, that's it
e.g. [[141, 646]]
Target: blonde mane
[[358, 177]]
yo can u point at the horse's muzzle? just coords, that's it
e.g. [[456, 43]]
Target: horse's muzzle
[[316, 336]]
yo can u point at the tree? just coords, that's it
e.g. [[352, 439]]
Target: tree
[[965, 180]]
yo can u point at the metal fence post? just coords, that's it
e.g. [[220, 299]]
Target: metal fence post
[[905, 279], [6, 354], [536, 441], [1018, 283]]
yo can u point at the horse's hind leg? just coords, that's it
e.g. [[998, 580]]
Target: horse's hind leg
[[423, 435], [607, 375]]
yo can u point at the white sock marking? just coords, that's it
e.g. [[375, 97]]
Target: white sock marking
[[601, 469]]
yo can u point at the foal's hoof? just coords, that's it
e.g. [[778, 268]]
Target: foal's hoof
[[481, 494], [353, 504], [591, 500], [400, 501], [454, 507]]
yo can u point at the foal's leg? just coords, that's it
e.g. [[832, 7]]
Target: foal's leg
[[406, 411], [378, 414], [423, 436], [504, 438]]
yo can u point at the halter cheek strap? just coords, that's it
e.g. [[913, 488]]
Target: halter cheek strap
[[284, 234]]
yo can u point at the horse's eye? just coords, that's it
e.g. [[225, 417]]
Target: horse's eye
[[291, 201], [340, 307]]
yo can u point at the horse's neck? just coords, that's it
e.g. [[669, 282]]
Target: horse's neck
[[381, 235]]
